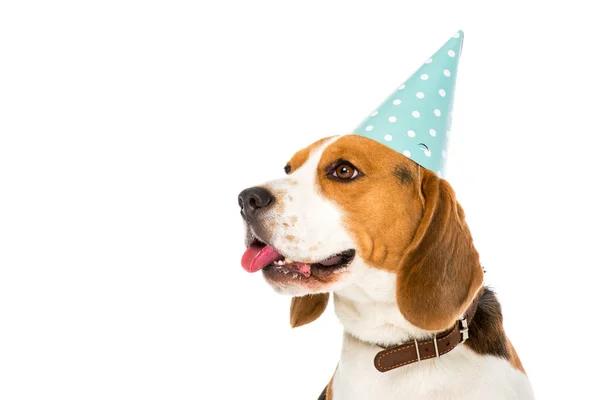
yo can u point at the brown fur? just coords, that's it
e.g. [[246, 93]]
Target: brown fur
[[376, 202], [440, 272], [327, 393], [513, 357], [300, 157], [306, 309]]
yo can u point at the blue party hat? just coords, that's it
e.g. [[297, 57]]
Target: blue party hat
[[415, 120]]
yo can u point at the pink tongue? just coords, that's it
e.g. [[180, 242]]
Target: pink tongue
[[256, 257]]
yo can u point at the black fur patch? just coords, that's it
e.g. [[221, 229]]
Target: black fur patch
[[486, 334], [323, 395], [403, 174]]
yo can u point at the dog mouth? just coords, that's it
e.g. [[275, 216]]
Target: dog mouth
[[261, 256]]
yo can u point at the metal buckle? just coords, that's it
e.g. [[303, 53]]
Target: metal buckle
[[417, 347], [464, 329]]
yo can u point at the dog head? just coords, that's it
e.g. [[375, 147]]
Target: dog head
[[350, 208]]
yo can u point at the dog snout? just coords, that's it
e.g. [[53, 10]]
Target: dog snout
[[253, 200]]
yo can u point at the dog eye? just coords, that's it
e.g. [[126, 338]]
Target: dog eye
[[345, 172]]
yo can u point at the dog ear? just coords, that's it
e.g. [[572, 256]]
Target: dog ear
[[306, 309], [440, 272]]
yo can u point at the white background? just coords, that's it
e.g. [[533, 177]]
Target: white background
[[128, 128]]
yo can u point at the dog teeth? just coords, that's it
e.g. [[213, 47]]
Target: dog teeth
[[295, 275], [285, 271]]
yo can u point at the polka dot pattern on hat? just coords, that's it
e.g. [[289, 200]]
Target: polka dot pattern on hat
[[414, 119]]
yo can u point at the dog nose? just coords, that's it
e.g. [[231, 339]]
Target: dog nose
[[253, 200]]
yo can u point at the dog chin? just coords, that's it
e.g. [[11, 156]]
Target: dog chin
[[290, 289], [291, 283]]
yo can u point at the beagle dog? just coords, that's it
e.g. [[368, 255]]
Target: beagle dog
[[389, 240]]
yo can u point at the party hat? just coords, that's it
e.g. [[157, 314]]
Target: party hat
[[415, 120]]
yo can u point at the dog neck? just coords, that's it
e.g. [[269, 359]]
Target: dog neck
[[368, 311]]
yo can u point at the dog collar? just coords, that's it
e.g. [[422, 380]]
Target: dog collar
[[419, 350]]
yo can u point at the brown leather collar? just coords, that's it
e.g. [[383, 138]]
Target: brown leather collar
[[418, 350]]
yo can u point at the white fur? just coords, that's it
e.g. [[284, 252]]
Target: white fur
[[365, 303], [368, 311], [313, 221], [460, 374]]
